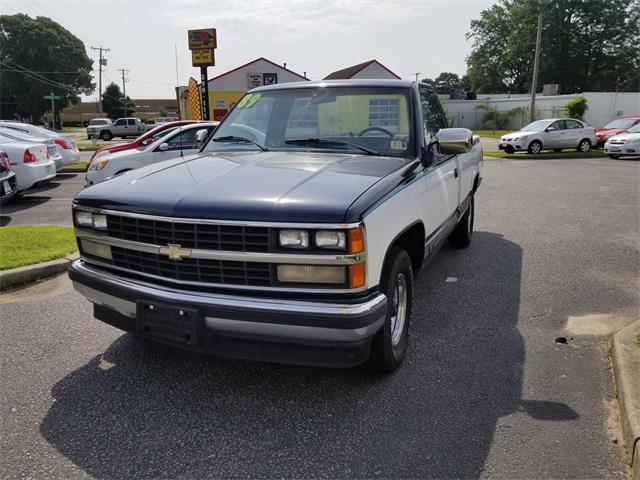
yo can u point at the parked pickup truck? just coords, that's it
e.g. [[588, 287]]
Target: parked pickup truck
[[122, 127], [296, 232]]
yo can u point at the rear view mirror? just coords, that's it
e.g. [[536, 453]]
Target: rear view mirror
[[163, 147], [455, 140], [201, 136]]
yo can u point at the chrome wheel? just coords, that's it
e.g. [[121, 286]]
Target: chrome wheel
[[585, 146], [399, 313], [535, 147]]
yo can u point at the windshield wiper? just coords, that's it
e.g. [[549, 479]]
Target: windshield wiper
[[234, 139], [322, 141]]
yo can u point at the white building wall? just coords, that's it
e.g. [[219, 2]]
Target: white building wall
[[374, 70], [237, 81], [603, 107]]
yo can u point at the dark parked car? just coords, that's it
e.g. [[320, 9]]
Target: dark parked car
[[7, 179]]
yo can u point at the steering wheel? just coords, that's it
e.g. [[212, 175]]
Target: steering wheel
[[376, 129]]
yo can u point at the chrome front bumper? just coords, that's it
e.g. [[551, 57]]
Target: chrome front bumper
[[268, 321]]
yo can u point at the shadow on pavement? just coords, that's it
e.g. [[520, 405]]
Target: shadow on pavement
[[24, 203], [144, 410]]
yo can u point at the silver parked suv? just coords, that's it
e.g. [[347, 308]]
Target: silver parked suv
[[554, 133]]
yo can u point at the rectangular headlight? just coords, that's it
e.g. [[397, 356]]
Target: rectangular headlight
[[95, 249], [311, 274], [99, 221], [294, 238], [334, 239], [84, 219]]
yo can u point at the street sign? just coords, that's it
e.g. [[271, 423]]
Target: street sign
[[52, 97], [203, 58], [202, 39]]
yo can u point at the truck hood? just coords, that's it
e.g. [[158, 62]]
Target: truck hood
[[249, 186]]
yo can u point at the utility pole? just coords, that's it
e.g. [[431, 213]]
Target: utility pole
[[102, 62], [124, 89], [536, 65]]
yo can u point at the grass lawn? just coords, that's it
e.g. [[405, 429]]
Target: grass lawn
[[550, 155], [82, 165], [90, 146], [28, 245], [491, 133]]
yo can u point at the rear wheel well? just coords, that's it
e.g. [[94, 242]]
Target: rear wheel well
[[411, 241]]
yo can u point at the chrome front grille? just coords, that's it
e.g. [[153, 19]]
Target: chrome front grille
[[194, 269], [189, 235]]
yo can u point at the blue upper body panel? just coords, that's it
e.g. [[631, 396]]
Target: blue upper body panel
[[272, 186]]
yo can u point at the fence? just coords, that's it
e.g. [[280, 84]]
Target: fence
[[478, 119]]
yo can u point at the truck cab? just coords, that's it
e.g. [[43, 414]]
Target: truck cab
[[296, 232]]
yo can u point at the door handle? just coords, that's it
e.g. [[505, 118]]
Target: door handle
[[455, 172]]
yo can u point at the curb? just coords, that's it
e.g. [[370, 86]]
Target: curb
[[625, 359], [73, 170], [17, 277]]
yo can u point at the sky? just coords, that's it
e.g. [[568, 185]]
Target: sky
[[313, 36]]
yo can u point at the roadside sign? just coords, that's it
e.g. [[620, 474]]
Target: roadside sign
[[203, 58], [202, 39], [52, 97]]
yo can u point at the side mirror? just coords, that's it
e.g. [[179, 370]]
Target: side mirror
[[455, 140], [163, 147], [550, 129], [201, 136]]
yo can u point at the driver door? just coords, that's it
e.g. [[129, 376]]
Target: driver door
[[443, 176], [555, 135]]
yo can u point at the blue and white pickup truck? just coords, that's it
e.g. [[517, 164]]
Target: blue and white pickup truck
[[294, 235]]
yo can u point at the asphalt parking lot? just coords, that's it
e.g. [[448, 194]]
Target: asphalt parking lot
[[486, 391]]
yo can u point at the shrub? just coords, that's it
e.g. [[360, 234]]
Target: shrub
[[496, 118], [576, 107]]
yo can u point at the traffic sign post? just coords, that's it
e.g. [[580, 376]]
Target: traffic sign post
[[202, 44], [53, 99]]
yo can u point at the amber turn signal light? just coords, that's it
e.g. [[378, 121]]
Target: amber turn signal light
[[356, 240], [356, 275]]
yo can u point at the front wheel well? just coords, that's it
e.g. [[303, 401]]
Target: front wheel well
[[411, 241]]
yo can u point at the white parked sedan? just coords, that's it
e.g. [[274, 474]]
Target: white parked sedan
[[553, 133], [8, 135], [182, 141], [30, 162], [627, 143], [65, 142]]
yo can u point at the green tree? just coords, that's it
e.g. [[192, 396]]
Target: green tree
[[447, 81], [113, 102], [37, 57], [587, 45]]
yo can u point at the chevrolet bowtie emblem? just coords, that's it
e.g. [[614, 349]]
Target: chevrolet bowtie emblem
[[175, 252]]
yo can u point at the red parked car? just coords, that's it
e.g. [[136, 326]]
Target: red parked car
[[144, 139], [614, 127]]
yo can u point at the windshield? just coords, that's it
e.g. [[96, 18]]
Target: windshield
[[16, 135], [537, 126], [363, 120], [634, 129], [621, 123]]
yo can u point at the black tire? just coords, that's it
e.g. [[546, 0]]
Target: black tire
[[614, 156], [388, 349], [557, 150], [510, 150], [106, 135], [461, 235], [584, 146], [535, 147]]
